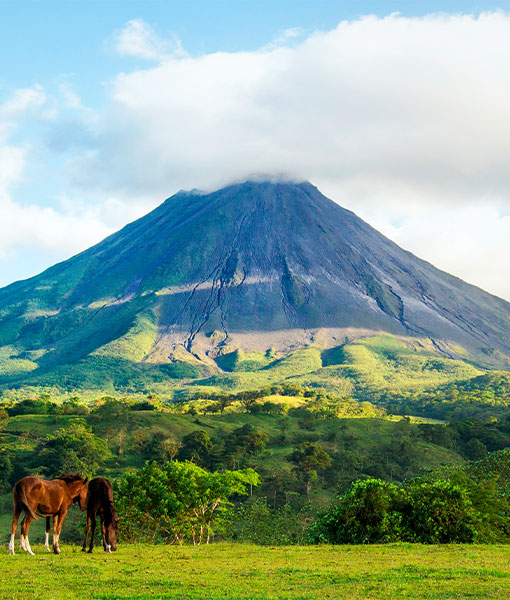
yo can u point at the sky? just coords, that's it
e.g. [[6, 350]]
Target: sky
[[398, 111]]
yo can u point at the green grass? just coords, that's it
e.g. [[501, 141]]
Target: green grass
[[234, 571]]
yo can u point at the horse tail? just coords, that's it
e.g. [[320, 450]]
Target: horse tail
[[21, 498]]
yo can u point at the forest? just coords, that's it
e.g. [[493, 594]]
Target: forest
[[283, 464]]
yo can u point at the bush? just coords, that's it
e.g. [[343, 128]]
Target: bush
[[440, 513], [368, 513], [373, 511]]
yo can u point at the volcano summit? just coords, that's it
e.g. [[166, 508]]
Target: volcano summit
[[253, 266]]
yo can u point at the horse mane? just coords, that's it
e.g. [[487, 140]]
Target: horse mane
[[69, 477]]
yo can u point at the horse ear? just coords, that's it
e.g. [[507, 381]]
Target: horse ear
[[86, 480]]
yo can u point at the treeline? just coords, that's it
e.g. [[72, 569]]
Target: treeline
[[298, 454], [178, 502], [479, 397], [318, 400]]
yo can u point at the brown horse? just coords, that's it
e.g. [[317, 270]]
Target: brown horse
[[45, 498], [100, 501]]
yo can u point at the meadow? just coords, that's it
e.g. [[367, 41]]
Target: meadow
[[233, 571]]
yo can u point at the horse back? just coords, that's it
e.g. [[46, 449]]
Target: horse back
[[40, 495]]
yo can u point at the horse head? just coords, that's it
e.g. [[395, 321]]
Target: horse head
[[112, 529], [77, 488]]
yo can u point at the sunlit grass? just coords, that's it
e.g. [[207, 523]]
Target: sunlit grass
[[233, 571]]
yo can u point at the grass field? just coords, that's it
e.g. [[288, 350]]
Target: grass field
[[235, 571]]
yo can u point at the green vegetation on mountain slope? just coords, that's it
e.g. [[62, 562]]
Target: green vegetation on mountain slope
[[408, 376]]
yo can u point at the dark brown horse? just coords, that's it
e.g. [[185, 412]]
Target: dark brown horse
[[53, 498], [100, 502]]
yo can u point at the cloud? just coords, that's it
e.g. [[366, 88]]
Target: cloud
[[70, 227], [139, 39], [403, 120], [376, 103], [21, 101]]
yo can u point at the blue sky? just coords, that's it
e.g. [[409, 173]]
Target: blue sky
[[108, 107]]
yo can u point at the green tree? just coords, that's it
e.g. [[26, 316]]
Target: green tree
[[6, 469], [160, 447], [243, 442], [178, 501], [309, 458], [41, 406], [369, 512], [475, 449], [4, 419], [73, 449], [197, 447], [440, 512], [107, 411]]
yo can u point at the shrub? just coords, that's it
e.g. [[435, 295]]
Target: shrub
[[374, 511]]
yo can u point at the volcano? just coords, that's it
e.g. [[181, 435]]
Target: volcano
[[254, 266]]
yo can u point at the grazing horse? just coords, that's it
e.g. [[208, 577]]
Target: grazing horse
[[45, 498], [100, 501]]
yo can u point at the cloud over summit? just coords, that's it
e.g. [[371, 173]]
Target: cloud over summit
[[403, 120]]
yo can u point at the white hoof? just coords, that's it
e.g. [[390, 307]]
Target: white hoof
[[11, 545]]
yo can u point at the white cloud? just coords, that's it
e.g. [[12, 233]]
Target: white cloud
[[375, 103], [139, 39], [71, 227], [403, 120], [21, 101]]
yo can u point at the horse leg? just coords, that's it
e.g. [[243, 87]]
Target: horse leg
[[25, 526], [61, 516], [22, 534], [47, 535], [56, 519], [15, 517], [106, 545], [93, 534], [87, 529]]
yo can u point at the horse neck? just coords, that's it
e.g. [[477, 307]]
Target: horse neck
[[74, 487], [108, 510]]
